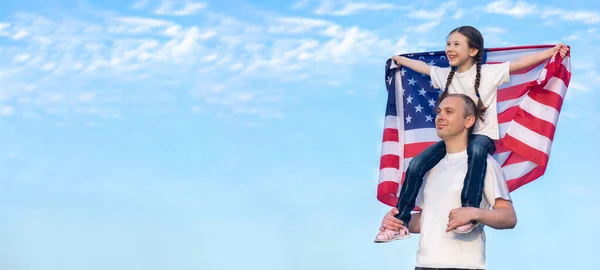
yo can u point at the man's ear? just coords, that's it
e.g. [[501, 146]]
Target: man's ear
[[470, 121]]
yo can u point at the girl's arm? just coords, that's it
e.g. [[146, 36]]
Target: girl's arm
[[416, 65], [529, 60]]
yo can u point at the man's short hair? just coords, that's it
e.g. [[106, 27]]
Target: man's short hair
[[470, 108]]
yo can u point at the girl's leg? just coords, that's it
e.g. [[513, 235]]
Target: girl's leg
[[417, 168], [479, 147]]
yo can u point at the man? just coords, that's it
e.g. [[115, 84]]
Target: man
[[439, 197]]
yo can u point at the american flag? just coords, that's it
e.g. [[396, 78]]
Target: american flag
[[528, 111]]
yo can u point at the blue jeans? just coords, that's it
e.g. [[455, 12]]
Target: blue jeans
[[477, 150]]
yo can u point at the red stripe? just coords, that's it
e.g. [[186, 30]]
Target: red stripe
[[413, 149], [563, 73], [546, 97], [536, 156], [386, 192], [527, 178], [508, 115], [535, 124], [513, 158], [390, 135], [500, 148], [389, 161], [512, 92]]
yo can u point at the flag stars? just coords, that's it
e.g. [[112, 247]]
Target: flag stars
[[412, 81], [422, 92], [430, 83], [432, 102], [431, 63], [418, 108], [409, 99], [408, 119], [443, 57], [428, 118], [402, 72], [389, 80]]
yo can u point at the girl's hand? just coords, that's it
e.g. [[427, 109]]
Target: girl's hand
[[396, 60], [390, 222], [562, 48]]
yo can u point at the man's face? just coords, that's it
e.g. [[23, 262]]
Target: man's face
[[450, 120]]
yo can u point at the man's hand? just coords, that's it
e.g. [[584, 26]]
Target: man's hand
[[390, 222], [461, 216]]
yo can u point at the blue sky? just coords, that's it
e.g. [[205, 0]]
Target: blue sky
[[246, 134]]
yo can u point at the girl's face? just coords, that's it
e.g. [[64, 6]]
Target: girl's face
[[458, 52]]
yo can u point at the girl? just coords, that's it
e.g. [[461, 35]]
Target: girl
[[466, 75]]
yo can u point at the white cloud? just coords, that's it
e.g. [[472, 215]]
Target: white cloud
[[327, 8], [494, 30], [296, 25], [6, 110], [140, 4], [435, 14], [579, 87], [168, 7], [581, 16], [586, 17], [426, 27], [459, 14], [67, 62], [518, 9], [137, 25], [300, 4]]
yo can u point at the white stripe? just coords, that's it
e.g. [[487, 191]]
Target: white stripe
[[501, 157], [517, 170], [567, 63], [540, 110], [390, 148], [503, 128], [406, 163], [518, 79], [389, 174], [505, 105], [421, 135], [391, 122], [400, 113], [557, 86], [530, 137]]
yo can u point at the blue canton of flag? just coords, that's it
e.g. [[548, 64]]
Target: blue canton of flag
[[419, 96]]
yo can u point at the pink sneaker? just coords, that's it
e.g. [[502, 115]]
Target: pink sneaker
[[467, 228], [390, 235]]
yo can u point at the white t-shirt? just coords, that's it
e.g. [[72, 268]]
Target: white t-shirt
[[439, 194], [492, 76]]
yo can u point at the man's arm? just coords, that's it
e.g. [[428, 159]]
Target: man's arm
[[392, 223], [501, 216], [414, 226]]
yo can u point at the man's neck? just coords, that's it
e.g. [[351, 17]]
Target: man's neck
[[456, 144]]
